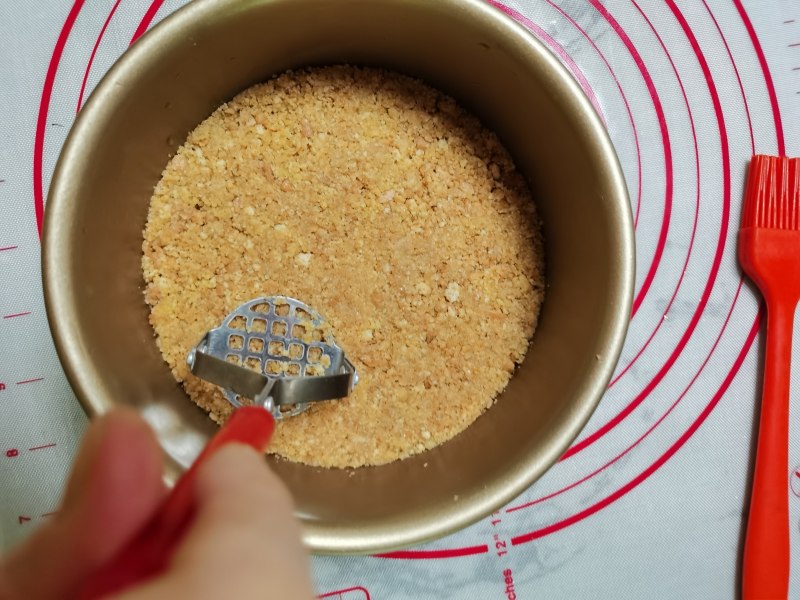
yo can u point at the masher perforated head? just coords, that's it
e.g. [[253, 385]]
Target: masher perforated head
[[275, 351]]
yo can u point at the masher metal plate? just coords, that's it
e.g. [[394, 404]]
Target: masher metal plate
[[279, 337]]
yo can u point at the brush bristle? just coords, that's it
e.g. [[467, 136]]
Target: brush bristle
[[772, 198]]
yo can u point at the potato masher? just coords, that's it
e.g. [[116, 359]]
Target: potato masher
[[272, 353]]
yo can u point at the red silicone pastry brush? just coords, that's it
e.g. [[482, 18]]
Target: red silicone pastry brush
[[769, 252]]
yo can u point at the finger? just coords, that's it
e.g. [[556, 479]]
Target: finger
[[114, 489], [245, 540], [121, 488]]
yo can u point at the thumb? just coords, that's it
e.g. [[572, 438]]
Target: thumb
[[114, 488]]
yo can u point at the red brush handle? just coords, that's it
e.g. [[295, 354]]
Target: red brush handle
[[766, 551], [150, 552]]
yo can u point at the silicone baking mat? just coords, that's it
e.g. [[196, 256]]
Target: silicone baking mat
[[649, 501]]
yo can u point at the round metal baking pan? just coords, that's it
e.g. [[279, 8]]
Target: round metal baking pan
[[205, 53]]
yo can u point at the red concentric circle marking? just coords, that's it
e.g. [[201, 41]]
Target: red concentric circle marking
[[665, 140], [44, 107], [737, 364], [600, 432], [94, 52], [633, 483], [147, 19], [667, 151], [558, 49], [642, 293], [47, 91], [624, 101], [738, 77], [745, 348], [448, 553], [652, 427], [697, 200], [672, 299], [762, 61]]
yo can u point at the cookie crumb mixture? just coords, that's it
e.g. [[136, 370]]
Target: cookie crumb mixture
[[378, 201]]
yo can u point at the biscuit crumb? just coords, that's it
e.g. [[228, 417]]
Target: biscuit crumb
[[381, 203], [303, 259], [452, 292]]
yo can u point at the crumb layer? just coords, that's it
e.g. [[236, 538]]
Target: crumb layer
[[382, 204]]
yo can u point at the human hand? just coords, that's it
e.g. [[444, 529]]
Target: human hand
[[244, 541]]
